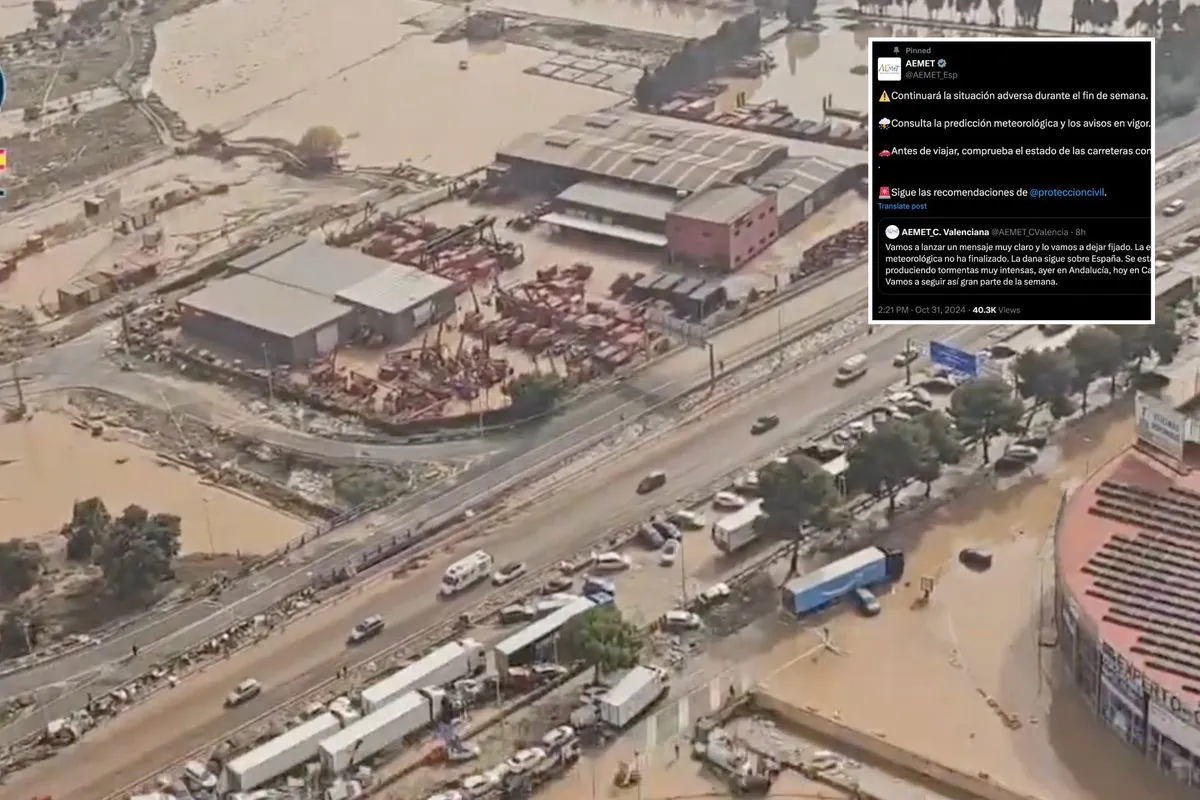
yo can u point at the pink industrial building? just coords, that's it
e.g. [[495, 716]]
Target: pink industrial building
[[710, 197], [722, 227]]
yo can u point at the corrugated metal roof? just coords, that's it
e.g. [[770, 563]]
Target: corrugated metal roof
[[721, 204], [544, 627], [262, 255], [620, 199], [394, 289], [647, 150], [797, 179], [266, 305], [606, 229], [320, 269]]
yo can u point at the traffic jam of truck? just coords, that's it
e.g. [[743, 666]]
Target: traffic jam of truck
[[339, 744]]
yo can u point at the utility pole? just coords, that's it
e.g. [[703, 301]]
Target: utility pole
[[712, 367], [270, 377], [17, 387], [124, 331], [908, 362], [683, 573]]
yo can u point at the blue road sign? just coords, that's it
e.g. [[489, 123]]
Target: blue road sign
[[952, 358]]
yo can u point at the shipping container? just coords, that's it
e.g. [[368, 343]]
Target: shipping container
[[522, 647], [280, 755], [378, 731], [733, 532], [823, 587], [639, 689], [445, 665]]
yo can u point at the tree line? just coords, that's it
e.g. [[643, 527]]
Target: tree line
[[799, 494], [134, 553]]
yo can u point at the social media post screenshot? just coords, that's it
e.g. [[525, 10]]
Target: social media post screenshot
[[1011, 180]]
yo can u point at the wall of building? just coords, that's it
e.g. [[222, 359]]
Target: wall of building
[[1120, 700], [256, 346], [401, 327], [754, 232], [723, 246]]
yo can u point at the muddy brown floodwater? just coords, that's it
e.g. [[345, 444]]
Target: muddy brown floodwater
[[46, 464], [927, 678]]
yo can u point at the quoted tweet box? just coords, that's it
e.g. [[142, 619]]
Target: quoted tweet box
[[1011, 180]]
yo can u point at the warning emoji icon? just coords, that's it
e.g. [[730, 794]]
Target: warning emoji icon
[[883, 98]]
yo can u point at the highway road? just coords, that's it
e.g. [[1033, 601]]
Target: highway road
[[178, 630], [190, 717]]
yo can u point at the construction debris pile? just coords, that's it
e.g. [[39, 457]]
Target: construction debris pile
[[551, 317], [835, 249], [467, 255]]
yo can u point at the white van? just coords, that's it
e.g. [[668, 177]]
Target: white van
[[851, 369], [467, 572]]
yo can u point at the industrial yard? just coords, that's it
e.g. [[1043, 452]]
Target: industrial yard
[[294, 315]]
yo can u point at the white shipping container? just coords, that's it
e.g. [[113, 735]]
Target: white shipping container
[[378, 731], [280, 755], [443, 666], [638, 690]]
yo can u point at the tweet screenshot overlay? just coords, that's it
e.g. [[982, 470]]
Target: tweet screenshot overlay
[[1012, 180]]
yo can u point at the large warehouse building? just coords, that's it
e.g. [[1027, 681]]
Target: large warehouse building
[[295, 300], [710, 196], [1127, 553]]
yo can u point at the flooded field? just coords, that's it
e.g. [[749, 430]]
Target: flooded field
[[48, 464], [652, 16], [394, 94], [17, 15], [975, 653]]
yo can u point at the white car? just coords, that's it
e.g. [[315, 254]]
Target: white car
[[1174, 208], [558, 737], [245, 691], [479, 785], [906, 357], [680, 620], [747, 483], [728, 501], [669, 553], [611, 561], [525, 760], [509, 573]]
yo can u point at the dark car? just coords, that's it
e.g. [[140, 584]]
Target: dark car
[[764, 424], [975, 558], [369, 628], [655, 480]]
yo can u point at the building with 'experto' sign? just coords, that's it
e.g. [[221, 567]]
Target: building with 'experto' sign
[[1127, 551]]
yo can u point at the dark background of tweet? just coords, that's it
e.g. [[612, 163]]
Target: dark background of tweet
[[1124, 214]]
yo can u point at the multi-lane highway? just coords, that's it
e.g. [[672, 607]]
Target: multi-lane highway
[[190, 717], [572, 429]]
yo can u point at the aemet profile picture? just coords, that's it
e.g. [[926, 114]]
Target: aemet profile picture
[[888, 68]]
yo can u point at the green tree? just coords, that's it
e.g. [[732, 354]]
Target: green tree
[[607, 641], [89, 524], [21, 564], [796, 493], [1139, 342], [945, 447], [19, 633], [1045, 376], [1097, 353], [319, 146], [984, 407], [535, 393], [137, 553], [356, 486], [882, 461]]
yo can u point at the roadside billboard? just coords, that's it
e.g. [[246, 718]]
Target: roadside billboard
[[1160, 426]]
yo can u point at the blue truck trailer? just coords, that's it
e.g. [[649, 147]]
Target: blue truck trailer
[[871, 566]]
